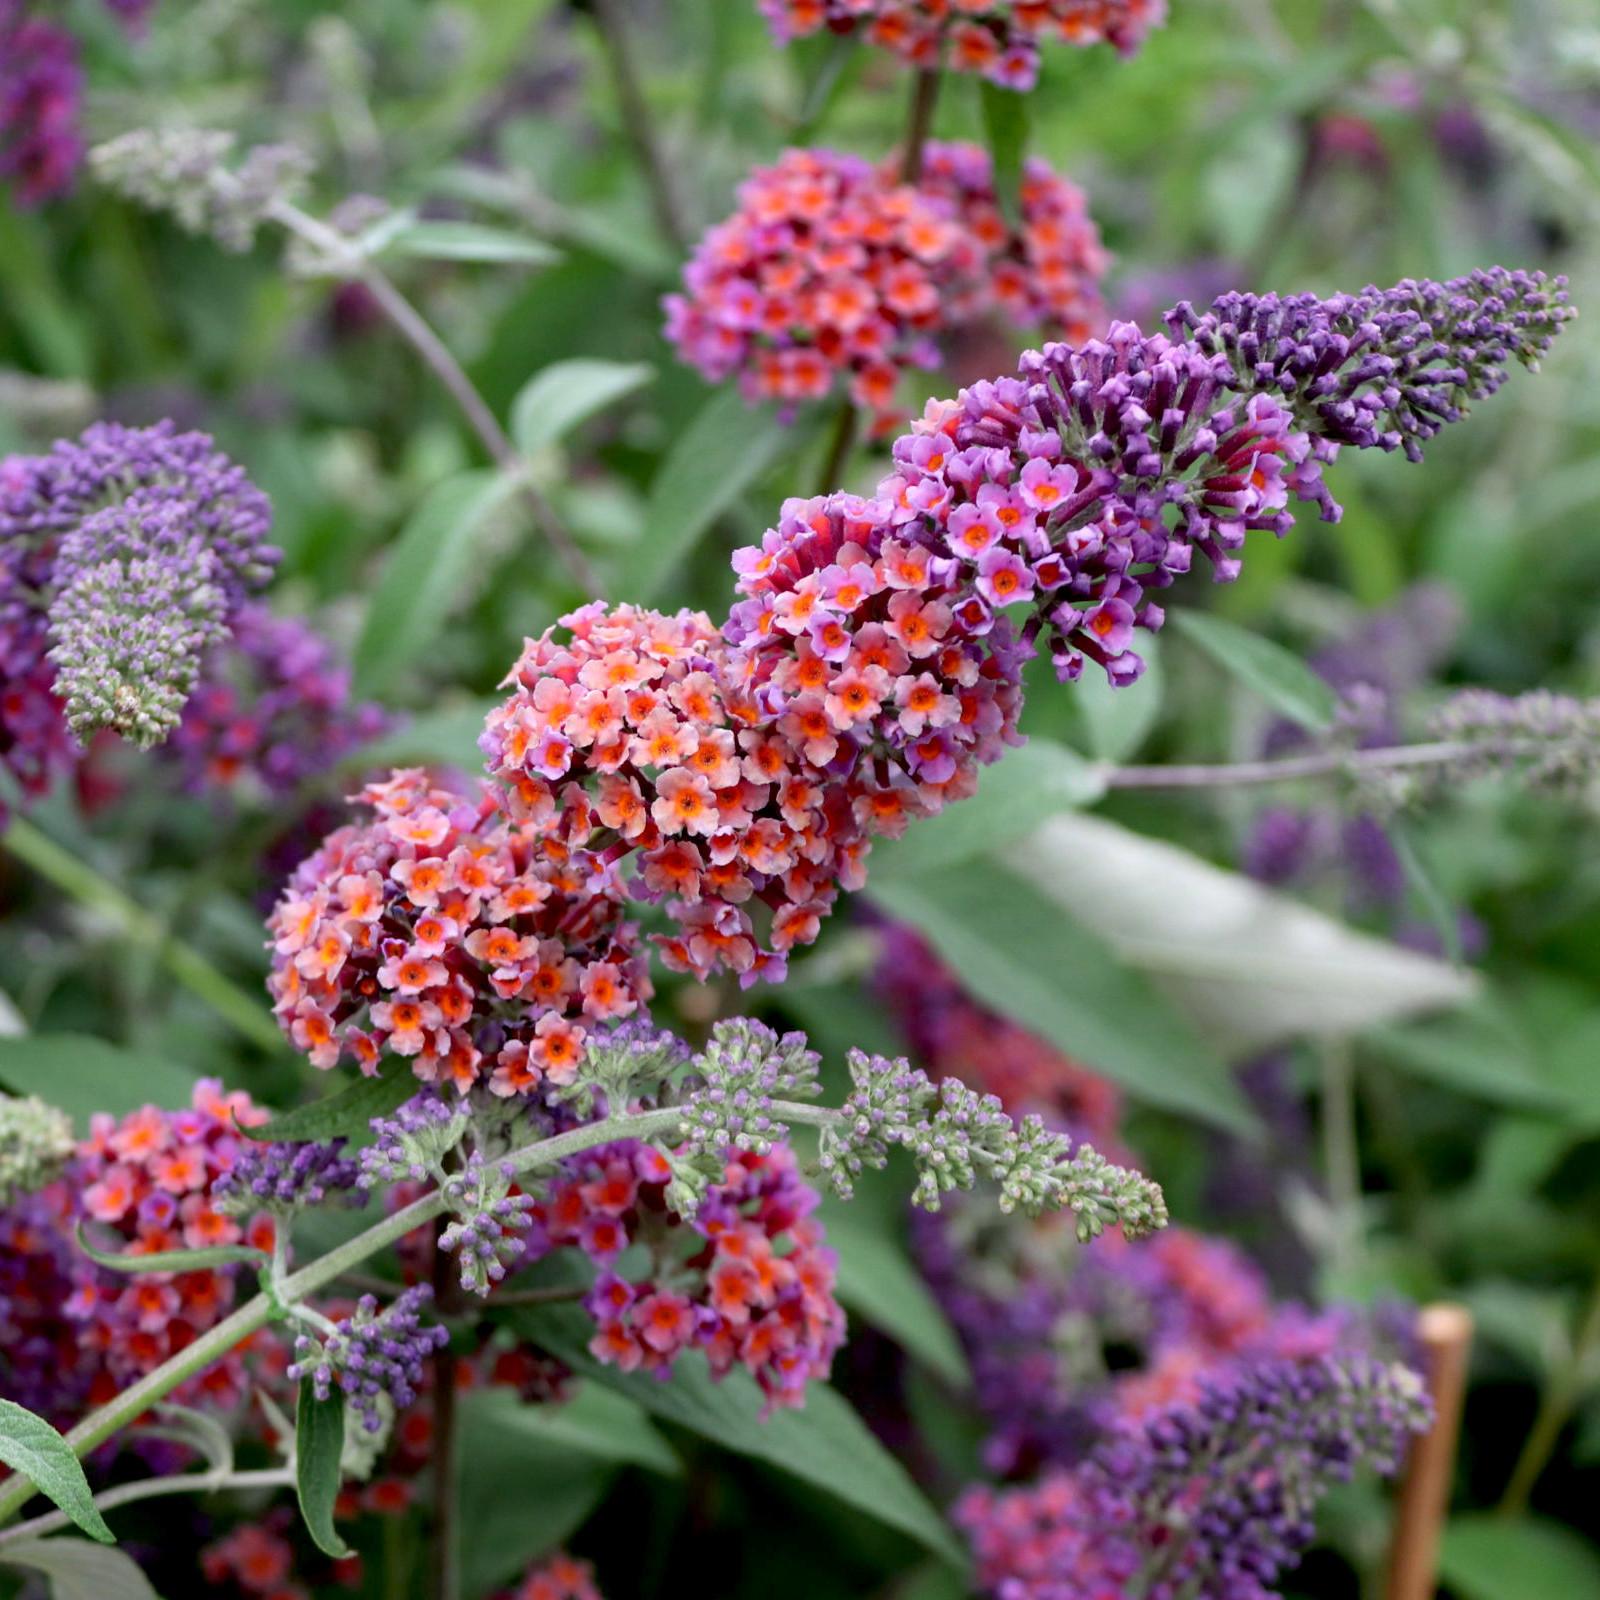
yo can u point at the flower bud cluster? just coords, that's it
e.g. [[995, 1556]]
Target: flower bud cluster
[[374, 1356], [955, 1136], [35, 1142]]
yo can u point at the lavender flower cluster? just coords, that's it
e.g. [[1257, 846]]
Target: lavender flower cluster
[[1203, 1501], [375, 1357], [1165, 446], [284, 1177], [125, 555]]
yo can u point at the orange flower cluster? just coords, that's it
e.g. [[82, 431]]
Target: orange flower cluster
[[832, 266], [444, 931]]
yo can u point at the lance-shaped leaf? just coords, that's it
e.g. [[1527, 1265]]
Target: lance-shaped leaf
[[29, 1445], [77, 1570], [318, 1448], [345, 1115], [1249, 966], [218, 1255]]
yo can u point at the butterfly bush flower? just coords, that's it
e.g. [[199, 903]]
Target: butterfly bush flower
[[557, 1577], [1207, 1501], [78, 1332], [748, 1279], [476, 946], [124, 556], [41, 87], [283, 1178], [272, 711], [998, 39], [256, 1556], [832, 266], [375, 1357], [35, 1141]]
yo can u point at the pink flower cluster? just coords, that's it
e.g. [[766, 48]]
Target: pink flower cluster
[[1045, 274], [558, 1577], [258, 1558], [748, 1281], [832, 265], [857, 685], [442, 930], [148, 1178], [999, 39], [77, 1332]]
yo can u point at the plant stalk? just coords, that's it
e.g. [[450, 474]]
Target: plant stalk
[[1560, 1399], [919, 124], [1319, 764], [255, 1314], [76, 878], [415, 329], [639, 124]]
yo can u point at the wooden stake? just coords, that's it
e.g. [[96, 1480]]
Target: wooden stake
[[1446, 1335]]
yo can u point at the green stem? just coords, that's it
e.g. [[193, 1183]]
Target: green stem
[[1562, 1393], [151, 1488], [255, 1314], [839, 445], [1322, 764], [616, 41], [79, 880], [924, 98], [1341, 1156], [341, 256]]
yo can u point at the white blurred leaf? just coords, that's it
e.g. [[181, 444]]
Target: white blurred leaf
[[1250, 967]]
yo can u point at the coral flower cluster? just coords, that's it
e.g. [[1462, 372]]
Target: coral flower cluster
[[476, 946], [999, 39], [748, 1280], [832, 265], [74, 1332]]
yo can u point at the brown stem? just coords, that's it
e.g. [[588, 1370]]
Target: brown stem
[[639, 124], [1446, 1335], [446, 1473], [840, 442], [924, 97]]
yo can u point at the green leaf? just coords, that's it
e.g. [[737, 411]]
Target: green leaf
[[1477, 1052], [1006, 125], [501, 1532], [425, 575], [1492, 1558], [1425, 888], [553, 402], [30, 1446], [1025, 957], [470, 241], [825, 1444], [879, 1283], [318, 1447], [727, 446], [1113, 722], [1248, 967], [82, 1075], [1014, 796], [79, 1571], [220, 1255], [346, 1114], [1277, 675], [446, 736], [598, 1423]]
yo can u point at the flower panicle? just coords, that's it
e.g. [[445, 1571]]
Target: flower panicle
[[956, 1136], [35, 1143], [375, 1356], [283, 1178], [188, 174]]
